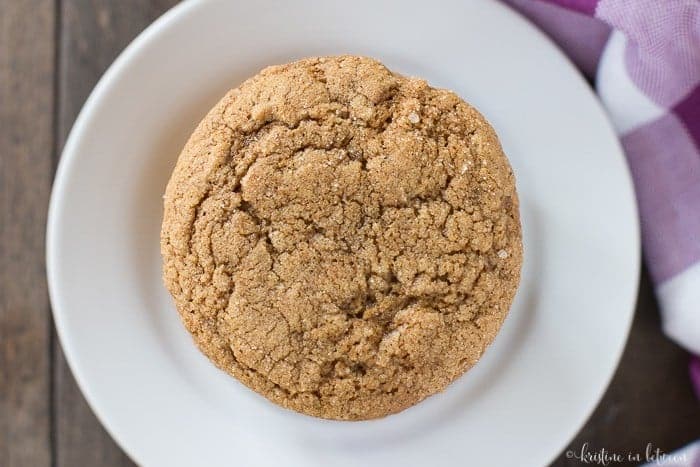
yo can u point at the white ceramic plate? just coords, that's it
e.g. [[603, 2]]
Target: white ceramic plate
[[167, 405]]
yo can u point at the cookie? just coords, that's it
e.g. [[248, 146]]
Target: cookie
[[342, 239]]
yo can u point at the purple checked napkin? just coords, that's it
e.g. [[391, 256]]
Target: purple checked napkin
[[644, 57]]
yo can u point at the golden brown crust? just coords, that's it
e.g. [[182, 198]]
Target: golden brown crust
[[343, 240]]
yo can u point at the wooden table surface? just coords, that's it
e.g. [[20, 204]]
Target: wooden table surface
[[52, 52]]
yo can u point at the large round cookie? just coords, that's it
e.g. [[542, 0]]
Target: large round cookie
[[343, 240]]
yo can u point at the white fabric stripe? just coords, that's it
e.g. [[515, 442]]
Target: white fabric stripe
[[679, 298], [627, 106]]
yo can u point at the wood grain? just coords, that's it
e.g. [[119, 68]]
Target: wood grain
[[26, 138], [93, 32]]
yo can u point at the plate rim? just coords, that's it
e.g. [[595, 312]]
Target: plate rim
[[65, 163]]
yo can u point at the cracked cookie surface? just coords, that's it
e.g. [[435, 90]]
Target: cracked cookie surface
[[342, 239]]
